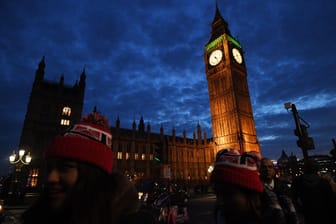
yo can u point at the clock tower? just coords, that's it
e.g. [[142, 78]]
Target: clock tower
[[230, 105]]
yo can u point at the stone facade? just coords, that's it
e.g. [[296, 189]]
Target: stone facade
[[182, 159]]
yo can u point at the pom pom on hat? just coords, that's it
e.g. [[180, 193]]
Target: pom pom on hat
[[89, 141], [237, 168]]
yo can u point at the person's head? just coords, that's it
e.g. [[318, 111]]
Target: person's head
[[267, 170], [78, 160], [237, 185], [310, 167]]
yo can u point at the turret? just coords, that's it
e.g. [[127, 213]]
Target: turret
[[161, 130], [148, 127], [199, 133], [141, 125], [82, 79], [39, 74], [134, 125], [118, 122]]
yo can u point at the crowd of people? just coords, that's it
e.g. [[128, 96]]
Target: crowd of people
[[81, 186], [249, 191]]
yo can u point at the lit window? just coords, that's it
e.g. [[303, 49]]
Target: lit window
[[66, 111], [127, 155], [119, 155], [143, 156], [136, 156], [33, 177], [65, 122], [151, 157]]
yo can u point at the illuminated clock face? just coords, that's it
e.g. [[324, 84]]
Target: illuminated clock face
[[237, 56], [215, 57]]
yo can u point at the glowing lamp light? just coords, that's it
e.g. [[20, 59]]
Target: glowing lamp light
[[21, 152], [12, 157], [23, 157], [28, 158], [210, 169]]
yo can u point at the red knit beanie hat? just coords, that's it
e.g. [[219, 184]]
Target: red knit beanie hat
[[89, 141], [237, 168]]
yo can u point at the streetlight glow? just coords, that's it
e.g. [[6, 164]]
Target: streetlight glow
[[12, 158], [23, 158], [28, 158], [21, 152], [210, 169], [18, 160]]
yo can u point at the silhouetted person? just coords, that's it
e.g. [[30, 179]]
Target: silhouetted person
[[313, 195], [240, 194], [277, 192]]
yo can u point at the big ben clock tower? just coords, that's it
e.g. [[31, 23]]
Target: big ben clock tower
[[230, 105]]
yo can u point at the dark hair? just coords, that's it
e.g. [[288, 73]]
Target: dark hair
[[253, 199], [98, 197], [254, 203]]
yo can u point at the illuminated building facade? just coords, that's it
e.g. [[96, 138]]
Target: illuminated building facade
[[139, 153], [188, 160], [52, 108], [230, 105], [290, 166]]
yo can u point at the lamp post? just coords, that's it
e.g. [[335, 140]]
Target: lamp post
[[20, 159], [305, 142]]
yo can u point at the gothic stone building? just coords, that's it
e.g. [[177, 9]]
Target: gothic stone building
[[139, 153], [188, 160], [52, 107]]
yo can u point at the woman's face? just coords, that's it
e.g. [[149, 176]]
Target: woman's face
[[62, 176]]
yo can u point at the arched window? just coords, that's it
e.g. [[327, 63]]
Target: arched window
[[66, 111]]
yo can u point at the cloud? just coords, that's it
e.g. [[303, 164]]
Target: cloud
[[146, 58]]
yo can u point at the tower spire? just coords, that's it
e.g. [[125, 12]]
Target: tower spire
[[82, 78], [218, 25], [39, 75]]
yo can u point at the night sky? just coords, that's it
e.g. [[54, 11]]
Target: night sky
[[145, 58]]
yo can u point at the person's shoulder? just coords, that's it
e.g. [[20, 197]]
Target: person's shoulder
[[281, 185]]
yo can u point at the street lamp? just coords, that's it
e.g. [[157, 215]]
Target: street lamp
[[305, 142], [16, 189], [20, 159]]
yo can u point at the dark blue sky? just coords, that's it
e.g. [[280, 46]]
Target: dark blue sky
[[145, 57]]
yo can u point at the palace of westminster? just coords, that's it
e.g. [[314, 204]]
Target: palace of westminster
[[54, 106]]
